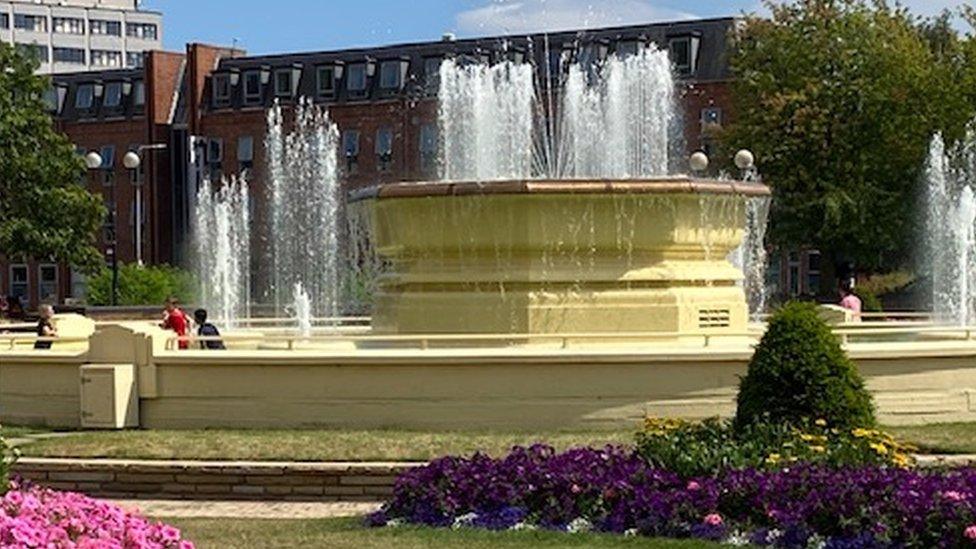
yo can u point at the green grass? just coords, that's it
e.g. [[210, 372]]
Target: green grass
[[946, 438], [349, 534], [14, 432], [297, 445]]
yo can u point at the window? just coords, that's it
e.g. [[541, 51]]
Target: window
[[813, 272], [221, 89], [793, 274], [325, 81], [350, 147], [52, 100], [356, 80], [628, 48], [245, 151], [108, 157], [102, 27], [252, 86], [75, 56], [390, 75], [215, 151], [432, 70], [19, 282], [113, 94], [35, 23], [428, 147], [712, 116], [283, 83], [684, 53], [384, 148], [4, 21], [36, 51], [139, 93], [106, 58], [47, 283], [145, 31], [134, 60], [84, 96], [68, 25]]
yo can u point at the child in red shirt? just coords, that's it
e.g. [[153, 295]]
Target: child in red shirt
[[175, 319]]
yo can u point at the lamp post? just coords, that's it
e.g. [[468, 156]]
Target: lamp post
[[132, 161], [93, 161]]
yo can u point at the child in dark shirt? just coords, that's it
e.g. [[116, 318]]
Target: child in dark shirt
[[206, 329]]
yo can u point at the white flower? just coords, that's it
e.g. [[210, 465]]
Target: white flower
[[394, 523], [524, 526], [579, 526], [464, 520], [632, 533], [816, 542], [774, 535], [737, 539]]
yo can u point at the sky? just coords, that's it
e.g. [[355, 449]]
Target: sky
[[280, 26]]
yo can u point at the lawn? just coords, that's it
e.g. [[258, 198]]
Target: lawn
[[379, 445], [14, 432], [349, 533], [298, 445], [946, 438]]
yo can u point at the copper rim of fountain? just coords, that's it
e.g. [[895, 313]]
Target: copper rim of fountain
[[661, 185]]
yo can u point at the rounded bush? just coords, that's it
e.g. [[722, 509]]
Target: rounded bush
[[799, 373]]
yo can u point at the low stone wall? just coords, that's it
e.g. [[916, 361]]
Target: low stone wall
[[265, 481]]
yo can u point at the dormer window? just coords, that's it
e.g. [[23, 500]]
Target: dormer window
[[252, 86], [391, 74], [283, 83], [325, 81], [356, 81], [113, 95], [139, 93], [84, 96], [221, 89], [684, 53]]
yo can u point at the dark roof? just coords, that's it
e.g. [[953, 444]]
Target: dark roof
[[711, 34], [69, 83]]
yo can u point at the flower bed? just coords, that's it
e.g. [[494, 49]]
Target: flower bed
[[37, 517], [615, 490]]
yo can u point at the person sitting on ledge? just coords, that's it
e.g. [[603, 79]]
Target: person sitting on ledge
[[175, 319], [849, 299], [45, 327], [206, 329]]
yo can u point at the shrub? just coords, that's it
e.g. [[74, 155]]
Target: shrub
[[798, 372], [7, 457], [613, 490], [869, 301], [713, 446], [141, 285]]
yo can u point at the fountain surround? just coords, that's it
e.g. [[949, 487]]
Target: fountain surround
[[559, 256]]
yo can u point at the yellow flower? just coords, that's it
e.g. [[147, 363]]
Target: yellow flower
[[821, 422], [861, 433], [773, 459], [818, 449], [879, 448], [807, 438]]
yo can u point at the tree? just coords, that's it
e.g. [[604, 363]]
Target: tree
[[140, 285], [839, 100], [44, 212]]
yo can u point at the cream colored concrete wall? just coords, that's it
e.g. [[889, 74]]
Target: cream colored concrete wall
[[40, 390]]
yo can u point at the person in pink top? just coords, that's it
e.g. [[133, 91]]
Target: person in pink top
[[848, 300]]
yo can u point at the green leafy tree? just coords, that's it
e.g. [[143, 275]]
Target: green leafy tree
[[839, 100], [800, 374], [44, 212], [141, 285]]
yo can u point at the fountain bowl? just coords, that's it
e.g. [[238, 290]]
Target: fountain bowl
[[559, 256]]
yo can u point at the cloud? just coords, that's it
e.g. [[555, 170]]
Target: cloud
[[518, 16]]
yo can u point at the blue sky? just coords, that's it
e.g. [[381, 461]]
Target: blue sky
[[263, 26]]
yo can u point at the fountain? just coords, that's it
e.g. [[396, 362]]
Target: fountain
[[951, 221], [303, 310], [222, 248]]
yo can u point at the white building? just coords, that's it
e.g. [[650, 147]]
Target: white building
[[78, 35]]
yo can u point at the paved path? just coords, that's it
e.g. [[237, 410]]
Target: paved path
[[246, 509]]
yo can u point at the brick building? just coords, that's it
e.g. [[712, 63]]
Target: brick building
[[203, 111]]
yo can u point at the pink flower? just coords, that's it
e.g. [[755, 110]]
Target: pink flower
[[952, 495], [970, 532], [713, 519], [694, 486]]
